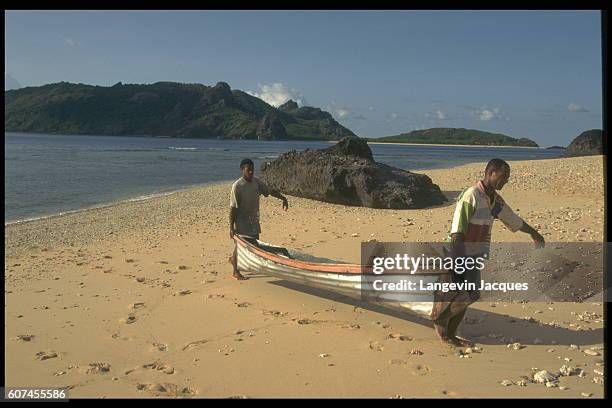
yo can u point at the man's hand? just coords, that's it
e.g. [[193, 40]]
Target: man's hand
[[285, 204], [538, 239]]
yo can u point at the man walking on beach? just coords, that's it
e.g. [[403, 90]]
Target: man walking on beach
[[244, 208], [477, 207]]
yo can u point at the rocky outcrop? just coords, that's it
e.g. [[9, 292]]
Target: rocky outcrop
[[588, 143], [346, 173], [270, 128], [289, 106]]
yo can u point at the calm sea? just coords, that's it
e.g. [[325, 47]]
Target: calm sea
[[52, 174]]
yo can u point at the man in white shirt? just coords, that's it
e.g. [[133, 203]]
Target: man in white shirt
[[244, 207]]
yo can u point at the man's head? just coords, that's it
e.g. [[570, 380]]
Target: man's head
[[247, 168], [497, 174]]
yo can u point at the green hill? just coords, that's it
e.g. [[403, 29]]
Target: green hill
[[458, 136], [163, 109]]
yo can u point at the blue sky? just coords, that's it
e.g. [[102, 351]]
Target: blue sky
[[526, 74]]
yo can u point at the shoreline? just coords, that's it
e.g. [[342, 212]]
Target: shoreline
[[257, 140], [154, 195], [145, 197], [454, 145]]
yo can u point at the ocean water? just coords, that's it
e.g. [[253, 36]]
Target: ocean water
[[52, 174]]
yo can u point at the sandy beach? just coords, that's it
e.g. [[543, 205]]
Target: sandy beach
[[136, 300]]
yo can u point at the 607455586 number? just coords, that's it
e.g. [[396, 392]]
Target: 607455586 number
[[28, 393]]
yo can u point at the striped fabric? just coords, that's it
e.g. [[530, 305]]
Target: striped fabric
[[474, 216]]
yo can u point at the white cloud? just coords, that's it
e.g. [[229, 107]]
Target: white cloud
[[277, 94], [439, 115], [574, 107], [342, 113], [487, 114]]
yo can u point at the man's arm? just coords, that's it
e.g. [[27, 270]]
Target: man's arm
[[233, 209], [278, 195], [535, 235], [516, 223], [232, 221]]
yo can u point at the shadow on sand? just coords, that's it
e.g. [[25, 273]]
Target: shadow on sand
[[479, 333]]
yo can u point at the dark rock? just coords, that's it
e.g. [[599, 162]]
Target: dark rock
[[588, 143], [220, 93], [270, 128], [346, 173], [288, 106], [556, 148], [352, 146]]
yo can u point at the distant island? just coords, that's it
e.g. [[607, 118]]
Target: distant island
[[457, 136], [163, 109]]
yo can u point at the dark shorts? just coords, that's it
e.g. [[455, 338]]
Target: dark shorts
[[470, 275]]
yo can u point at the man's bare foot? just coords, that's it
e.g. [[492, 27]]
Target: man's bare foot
[[461, 342], [238, 276], [441, 330]]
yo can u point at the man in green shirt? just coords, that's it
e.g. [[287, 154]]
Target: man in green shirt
[[476, 210]]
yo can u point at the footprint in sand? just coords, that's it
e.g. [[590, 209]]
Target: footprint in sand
[[138, 305], [351, 326], [193, 344], [381, 324], [274, 313], [23, 337], [45, 355], [98, 368], [421, 369], [167, 389], [159, 366], [374, 345], [183, 292], [129, 260], [400, 337], [183, 267], [215, 296], [243, 304], [160, 347], [129, 319]]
